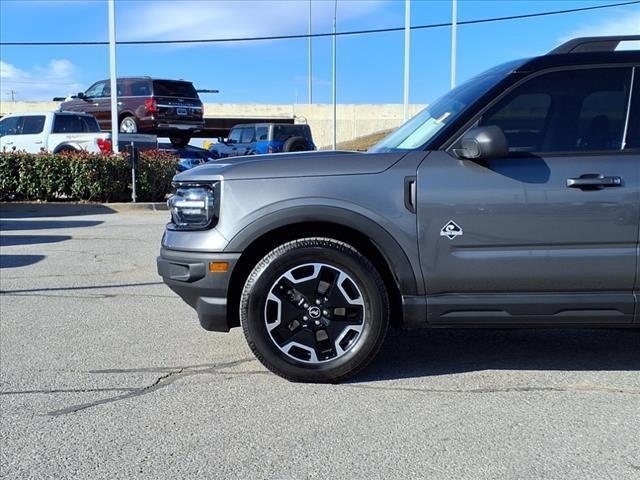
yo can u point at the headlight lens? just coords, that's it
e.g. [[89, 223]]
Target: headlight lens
[[192, 208]]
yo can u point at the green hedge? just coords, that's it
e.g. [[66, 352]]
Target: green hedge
[[84, 176]]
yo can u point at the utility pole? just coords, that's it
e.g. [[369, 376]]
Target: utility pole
[[407, 48], [454, 41], [335, 111], [310, 60], [113, 76]]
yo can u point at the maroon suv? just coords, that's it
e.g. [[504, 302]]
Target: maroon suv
[[167, 108]]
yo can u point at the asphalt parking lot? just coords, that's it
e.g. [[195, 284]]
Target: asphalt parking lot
[[106, 374]]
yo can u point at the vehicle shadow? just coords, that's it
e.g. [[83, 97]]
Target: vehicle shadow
[[26, 210], [15, 261], [9, 225], [419, 353], [14, 240]]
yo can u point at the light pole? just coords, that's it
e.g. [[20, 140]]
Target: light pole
[[407, 48], [310, 60], [454, 41], [335, 112], [113, 76]]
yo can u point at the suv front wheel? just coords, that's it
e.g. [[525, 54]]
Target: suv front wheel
[[314, 310], [180, 141]]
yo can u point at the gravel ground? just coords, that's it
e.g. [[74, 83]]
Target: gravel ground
[[106, 374]]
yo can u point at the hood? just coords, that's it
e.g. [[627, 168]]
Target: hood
[[295, 164]]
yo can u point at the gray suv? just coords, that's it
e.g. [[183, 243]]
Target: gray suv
[[514, 200]]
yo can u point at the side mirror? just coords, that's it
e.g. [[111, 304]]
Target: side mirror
[[483, 143], [81, 96], [221, 140]]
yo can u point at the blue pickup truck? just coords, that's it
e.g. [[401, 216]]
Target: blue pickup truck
[[260, 138]]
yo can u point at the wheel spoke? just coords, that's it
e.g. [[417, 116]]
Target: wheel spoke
[[314, 312]]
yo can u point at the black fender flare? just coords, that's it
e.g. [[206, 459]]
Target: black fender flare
[[407, 279]]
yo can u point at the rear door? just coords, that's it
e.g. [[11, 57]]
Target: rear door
[[530, 238]]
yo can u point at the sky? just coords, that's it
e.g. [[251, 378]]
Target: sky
[[369, 67]]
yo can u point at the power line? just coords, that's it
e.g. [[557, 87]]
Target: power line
[[327, 34]]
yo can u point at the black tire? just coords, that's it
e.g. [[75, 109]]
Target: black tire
[[66, 149], [181, 141], [295, 144], [331, 255], [128, 124]]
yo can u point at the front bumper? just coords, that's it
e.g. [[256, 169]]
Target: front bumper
[[187, 274]]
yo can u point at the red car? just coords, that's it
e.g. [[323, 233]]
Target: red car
[[167, 108]]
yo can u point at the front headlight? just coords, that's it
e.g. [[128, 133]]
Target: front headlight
[[192, 207]]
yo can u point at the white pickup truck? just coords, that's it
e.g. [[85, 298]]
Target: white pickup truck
[[54, 132]]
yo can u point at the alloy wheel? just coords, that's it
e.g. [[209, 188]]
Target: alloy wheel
[[314, 313]]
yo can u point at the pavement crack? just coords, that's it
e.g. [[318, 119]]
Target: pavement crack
[[523, 389], [163, 377], [66, 390], [162, 381]]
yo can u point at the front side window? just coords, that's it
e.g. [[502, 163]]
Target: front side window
[[633, 129], [9, 126], [247, 135], [32, 125], [96, 90], [566, 111], [235, 135]]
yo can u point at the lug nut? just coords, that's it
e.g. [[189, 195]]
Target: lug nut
[[317, 322], [305, 318], [306, 305], [318, 302], [325, 312]]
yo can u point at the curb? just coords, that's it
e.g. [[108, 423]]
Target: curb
[[71, 208], [134, 207]]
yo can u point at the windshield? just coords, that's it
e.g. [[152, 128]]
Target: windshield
[[424, 126]]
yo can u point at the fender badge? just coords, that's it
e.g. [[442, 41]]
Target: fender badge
[[451, 230]]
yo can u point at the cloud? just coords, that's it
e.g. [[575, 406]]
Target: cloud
[[231, 19], [628, 24], [57, 78]]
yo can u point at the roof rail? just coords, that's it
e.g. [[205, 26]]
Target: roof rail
[[593, 44]]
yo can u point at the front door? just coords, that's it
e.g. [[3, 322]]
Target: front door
[[550, 234]]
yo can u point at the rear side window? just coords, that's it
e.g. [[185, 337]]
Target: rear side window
[[262, 133], [9, 126], [32, 125], [75, 124], [141, 89], [171, 88], [567, 111], [283, 132], [247, 135], [107, 90]]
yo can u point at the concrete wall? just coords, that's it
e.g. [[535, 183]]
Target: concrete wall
[[353, 120]]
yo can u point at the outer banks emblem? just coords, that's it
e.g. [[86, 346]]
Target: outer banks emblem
[[451, 230]]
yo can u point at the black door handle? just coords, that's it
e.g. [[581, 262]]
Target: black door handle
[[593, 181]]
